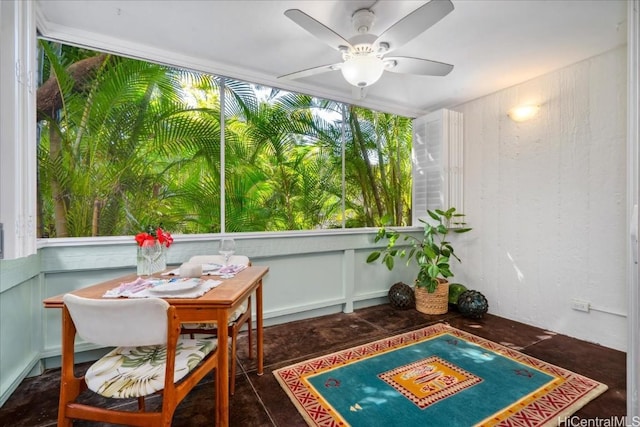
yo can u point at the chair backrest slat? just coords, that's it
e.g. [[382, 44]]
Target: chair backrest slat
[[119, 322]]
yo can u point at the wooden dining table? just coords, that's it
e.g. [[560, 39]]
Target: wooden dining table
[[215, 305]]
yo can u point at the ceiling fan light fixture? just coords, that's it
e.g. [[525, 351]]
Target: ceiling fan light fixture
[[362, 70]]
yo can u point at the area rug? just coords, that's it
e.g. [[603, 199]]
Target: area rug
[[435, 376]]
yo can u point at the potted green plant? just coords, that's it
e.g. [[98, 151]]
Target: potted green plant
[[432, 253]]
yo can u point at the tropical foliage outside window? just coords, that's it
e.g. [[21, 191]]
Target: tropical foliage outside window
[[126, 143]]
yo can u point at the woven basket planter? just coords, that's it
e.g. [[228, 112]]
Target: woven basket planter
[[436, 302]]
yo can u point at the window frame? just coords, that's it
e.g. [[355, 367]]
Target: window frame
[[23, 28], [18, 161]]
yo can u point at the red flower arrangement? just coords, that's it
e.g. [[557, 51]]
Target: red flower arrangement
[[151, 236]]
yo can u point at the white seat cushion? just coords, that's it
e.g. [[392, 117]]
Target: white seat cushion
[[213, 325], [219, 259], [128, 372]]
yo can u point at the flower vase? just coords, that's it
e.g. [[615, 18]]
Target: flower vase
[[151, 258]]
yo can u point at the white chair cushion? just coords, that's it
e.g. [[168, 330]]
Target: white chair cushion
[[219, 259], [214, 325], [128, 372]]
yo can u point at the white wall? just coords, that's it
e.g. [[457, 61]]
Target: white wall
[[547, 201]]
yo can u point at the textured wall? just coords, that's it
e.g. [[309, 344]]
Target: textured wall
[[547, 200]]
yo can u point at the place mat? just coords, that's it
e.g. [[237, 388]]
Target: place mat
[[163, 288], [436, 376]]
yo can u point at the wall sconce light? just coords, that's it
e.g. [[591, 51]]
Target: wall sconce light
[[522, 113]]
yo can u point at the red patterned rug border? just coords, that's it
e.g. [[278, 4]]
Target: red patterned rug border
[[572, 390]]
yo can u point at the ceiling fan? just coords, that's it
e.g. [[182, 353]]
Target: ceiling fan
[[363, 55]]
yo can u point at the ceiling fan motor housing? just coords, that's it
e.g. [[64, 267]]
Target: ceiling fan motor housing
[[362, 44], [362, 20]]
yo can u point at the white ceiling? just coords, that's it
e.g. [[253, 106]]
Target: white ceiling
[[492, 43]]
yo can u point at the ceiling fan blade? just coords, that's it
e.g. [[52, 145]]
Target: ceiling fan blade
[[311, 71], [425, 67], [317, 29], [415, 23]]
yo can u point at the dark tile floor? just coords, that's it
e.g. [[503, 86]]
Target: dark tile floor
[[259, 400]]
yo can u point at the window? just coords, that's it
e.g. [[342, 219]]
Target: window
[[437, 163], [131, 143]]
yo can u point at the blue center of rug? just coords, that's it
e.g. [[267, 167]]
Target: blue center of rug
[[444, 381]]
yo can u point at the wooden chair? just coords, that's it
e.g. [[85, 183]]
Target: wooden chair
[[239, 317], [150, 357]]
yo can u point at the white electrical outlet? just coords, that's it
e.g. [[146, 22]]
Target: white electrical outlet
[[580, 305]]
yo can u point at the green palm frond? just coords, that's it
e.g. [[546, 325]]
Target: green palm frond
[[141, 142]]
